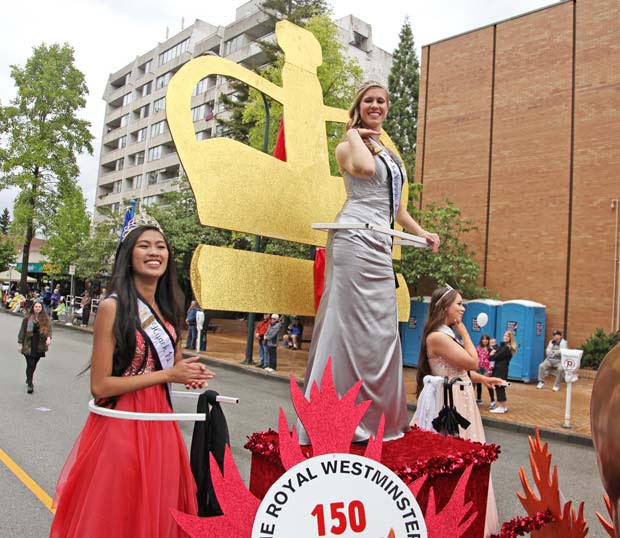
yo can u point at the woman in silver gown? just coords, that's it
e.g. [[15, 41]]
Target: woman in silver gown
[[356, 323]]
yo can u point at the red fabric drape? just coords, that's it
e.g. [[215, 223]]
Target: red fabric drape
[[319, 276], [279, 151]]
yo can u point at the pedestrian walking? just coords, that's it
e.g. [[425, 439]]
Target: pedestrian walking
[[86, 305], [35, 335], [123, 478]]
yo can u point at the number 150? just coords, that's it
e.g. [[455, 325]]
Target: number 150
[[356, 517]]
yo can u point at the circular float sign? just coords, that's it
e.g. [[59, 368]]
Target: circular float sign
[[339, 495]]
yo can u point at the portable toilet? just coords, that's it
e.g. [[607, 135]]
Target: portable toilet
[[411, 331], [478, 306], [527, 320]]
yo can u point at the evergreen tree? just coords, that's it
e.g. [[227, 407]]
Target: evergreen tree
[[404, 87], [5, 222], [41, 136]]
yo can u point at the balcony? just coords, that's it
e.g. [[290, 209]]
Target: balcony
[[108, 156], [251, 55], [107, 177]]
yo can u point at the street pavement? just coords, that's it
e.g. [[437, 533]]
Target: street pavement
[[37, 431]]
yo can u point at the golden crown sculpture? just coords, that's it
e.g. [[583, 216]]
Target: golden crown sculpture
[[242, 189]]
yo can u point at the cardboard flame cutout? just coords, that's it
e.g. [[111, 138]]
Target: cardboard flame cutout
[[568, 523]]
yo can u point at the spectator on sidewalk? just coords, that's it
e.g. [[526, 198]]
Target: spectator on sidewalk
[[55, 300], [271, 341], [86, 305], [261, 329], [502, 362], [47, 300], [190, 318], [553, 361], [292, 338], [483, 349]]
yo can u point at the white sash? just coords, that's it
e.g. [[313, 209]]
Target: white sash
[[159, 337], [397, 176]]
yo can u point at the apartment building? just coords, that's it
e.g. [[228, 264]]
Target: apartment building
[[138, 159]]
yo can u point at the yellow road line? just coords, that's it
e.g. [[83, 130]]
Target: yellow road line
[[36, 490]]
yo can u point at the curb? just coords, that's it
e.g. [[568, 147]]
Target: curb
[[551, 435]]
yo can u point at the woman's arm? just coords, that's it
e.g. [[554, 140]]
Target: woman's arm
[[104, 385], [408, 223], [490, 382], [353, 155], [22, 331]]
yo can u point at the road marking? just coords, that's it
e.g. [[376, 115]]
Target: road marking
[[35, 489]]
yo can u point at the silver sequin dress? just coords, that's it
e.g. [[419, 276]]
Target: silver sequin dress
[[357, 323]]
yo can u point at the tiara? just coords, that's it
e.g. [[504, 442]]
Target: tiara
[[450, 288], [138, 221]]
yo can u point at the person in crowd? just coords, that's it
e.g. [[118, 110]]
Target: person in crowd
[[103, 293], [35, 335], [61, 309], [501, 359], [124, 477], [356, 322], [86, 305], [55, 299], [443, 355], [484, 368], [190, 319], [47, 300], [261, 329], [553, 361], [292, 338], [272, 335]]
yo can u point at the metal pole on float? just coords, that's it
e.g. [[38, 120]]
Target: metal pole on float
[[249, 343]]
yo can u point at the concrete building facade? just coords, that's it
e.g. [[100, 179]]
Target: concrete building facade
[[138, 159], [519, 126]]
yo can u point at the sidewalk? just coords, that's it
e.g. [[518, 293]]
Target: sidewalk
[[527, 407]]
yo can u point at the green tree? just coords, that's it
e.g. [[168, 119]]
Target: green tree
[[7, 252], [96, 252], [454, 263], [178, 217], [67, 230], [5, 222], [41, 137], [404, 87]]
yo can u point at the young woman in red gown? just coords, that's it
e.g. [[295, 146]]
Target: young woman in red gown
[[123, 476]]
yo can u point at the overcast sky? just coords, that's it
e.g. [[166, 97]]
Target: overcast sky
[[107, 34]]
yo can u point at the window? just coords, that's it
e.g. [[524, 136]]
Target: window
[[124, 120], [235, 44], [138, 158], [115, 207], [143, 112], [203, 135], [146, 89], [119, 164], [159, 105], [155, 153], [151, 178], [117, 186], [146, 67], [141, 134], [163, 80], [150, 200], [173, 52], [126, 99], [159, 128], [199, 112], [122, 142], [204, 85], [136, 182], [360, 41]]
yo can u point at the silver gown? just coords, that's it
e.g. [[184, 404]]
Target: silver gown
[[356, 323]]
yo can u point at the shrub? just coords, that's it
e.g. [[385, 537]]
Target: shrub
[[597, 346]]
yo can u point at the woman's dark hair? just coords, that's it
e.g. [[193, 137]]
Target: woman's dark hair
[[127, 320], [486, 337], [441, 299], [43, 319]]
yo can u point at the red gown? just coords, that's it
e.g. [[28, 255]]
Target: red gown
[[123, 476]]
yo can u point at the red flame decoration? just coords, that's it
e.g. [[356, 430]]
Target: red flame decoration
[[607, 525], [452, 520]]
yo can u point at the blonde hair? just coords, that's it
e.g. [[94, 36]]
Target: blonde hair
[[512, 344], [355, 119]]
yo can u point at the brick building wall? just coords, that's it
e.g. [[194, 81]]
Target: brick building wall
[[519, 126]]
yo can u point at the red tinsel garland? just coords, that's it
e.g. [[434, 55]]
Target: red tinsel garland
[[520, 526], [266, 444]]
